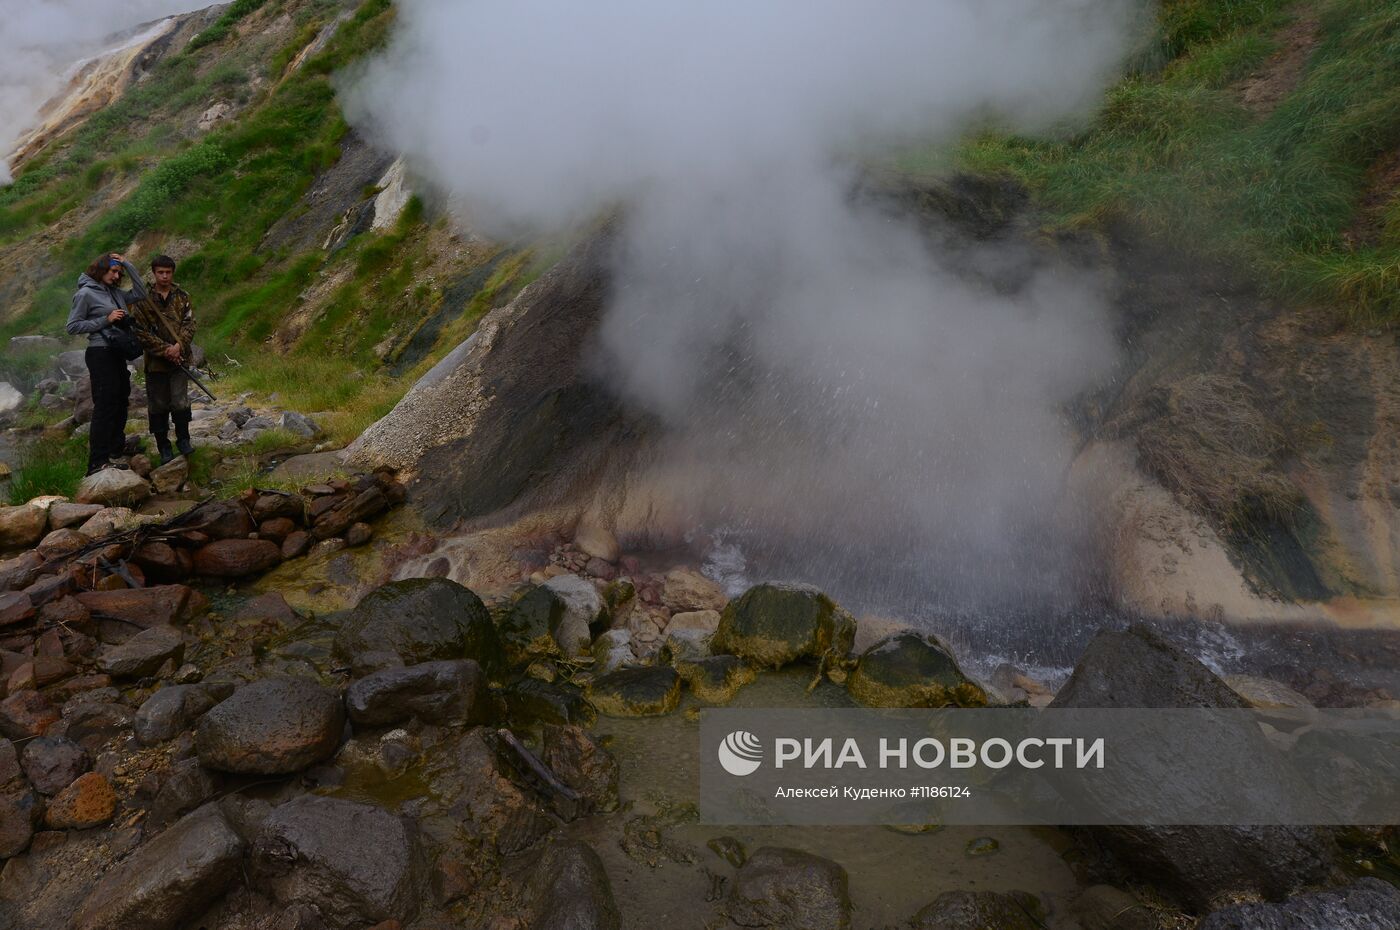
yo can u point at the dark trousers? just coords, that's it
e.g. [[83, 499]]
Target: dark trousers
[[167, 392], [111, 391]]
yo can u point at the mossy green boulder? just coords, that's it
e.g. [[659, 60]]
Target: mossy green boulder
[[912, 669], [417, 620], [715, 679], [636, 692], [773, 624], [559, 617]]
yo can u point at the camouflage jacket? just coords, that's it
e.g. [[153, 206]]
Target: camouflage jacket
[[163, 323]]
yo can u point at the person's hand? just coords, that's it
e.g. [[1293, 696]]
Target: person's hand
[[116, 316], [172, 353], [117, 256]]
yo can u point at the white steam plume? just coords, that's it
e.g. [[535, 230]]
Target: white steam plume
[[826, 378], [44, 39]]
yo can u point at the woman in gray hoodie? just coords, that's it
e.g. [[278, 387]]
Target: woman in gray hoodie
[[97, 305]]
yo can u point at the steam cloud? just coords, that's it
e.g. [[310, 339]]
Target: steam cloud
[[876, 417], [45, 39]]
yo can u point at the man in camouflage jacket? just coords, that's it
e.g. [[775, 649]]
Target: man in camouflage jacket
[[165, 324]]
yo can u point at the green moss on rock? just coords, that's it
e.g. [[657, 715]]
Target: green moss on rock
[[912, 669], [417, 620], [773, 624], [716, 679]]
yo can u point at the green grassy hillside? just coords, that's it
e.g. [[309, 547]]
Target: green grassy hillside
[[1259, 134]]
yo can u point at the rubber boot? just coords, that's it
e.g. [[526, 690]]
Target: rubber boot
[[160, 429], [182, 431]]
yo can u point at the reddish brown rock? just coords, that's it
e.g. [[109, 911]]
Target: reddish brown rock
[[15, 607], [162, 562], [63, 515], [47, 587], [51, 669], [61, 692], [271, 505], [277, 529], [110, 583], [20, 571], [23, 525], [236, 558], [161, 605], [222, 520], [65, 612], [88, 802], [358, 534], [62, 542], [266, 607], [296, 544], [26, 714]]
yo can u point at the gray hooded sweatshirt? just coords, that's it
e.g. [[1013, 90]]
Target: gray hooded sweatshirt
[[94, 300]]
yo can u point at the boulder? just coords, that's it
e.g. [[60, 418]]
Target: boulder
[[596, 541], [1197, 865], [296, 544], [435, 692], [63, 514], [686, 591], [276, 529], [162, 562], [158, 606], [305, 854], [143, 654], [20, 813], [51, 763], [685, 646], [569, 890], [789, 888], [1103, 907], [22, 526], [774, 624], [92, 722], [530, 701], [612, 650], [10, 769], [417, 620], [912, 669], [25, 714], [109, 520], [188, 785], [174, 709], [15, 608], [221, 520], [236, 558], [271, 727], [88, 802], [113, 487], [981, 910], [703, 621], [636, 692], [58, 543], [298, 424], [10, 398], [20, 571], [1370, 904], [716, 679], [581, 762], [168, 478], [168, 880], [560, 615]]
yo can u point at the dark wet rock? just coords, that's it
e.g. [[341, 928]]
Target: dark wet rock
[[237, 558], [1370, 904], [981, 910], [435, 692], [92, 723], [1197, 865], [89, 801], [1103, 907], [10, 770], [25, 714], [271, 727], [531, 701], [790, 889], [15, 608], [296, 544], [469, 782], [912, 669], [162, 562], [581, 762], [188, 785], [221, 520], [52, 763], [176, 708], [143, 654], [161, 605], [307, 853], [569, 890], [774, 624], [636, 692], [170, 879], [716, 679], [20, 812], [417, 620], [562, 615]]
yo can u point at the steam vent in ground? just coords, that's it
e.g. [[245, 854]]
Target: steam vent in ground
[[566, 415]]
